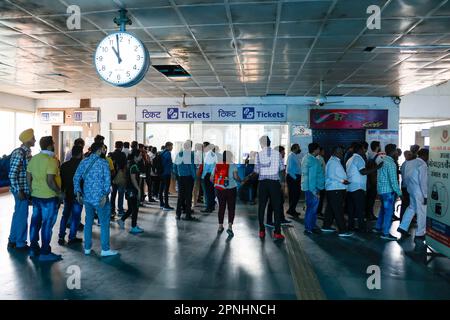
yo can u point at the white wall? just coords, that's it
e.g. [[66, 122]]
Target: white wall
[[429, 103], [18, 103]]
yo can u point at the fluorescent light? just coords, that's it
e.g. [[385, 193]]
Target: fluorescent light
[[362, 86], [159, 55], [415, 48]]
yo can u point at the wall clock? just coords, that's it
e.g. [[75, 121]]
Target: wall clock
[[121, 59]]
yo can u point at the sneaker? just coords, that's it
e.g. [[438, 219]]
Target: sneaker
[[50, 257], [140, 228], [404, 233], [345, 234], [328, 229], [168, 208], [177, 217], [33, 253], [269, 225], [87, 251], [136, 230], [316, 231], [293, 214], [81, 227], [161, 206], [121, 224], [24, 248], [109, 253], [285, 221], [75, 241], [376, 231], [307, 232], [230, 232], [388, 237], [152, 200], [262, 234], [278, 236], [11, 245], [220, 230], [61, 241]]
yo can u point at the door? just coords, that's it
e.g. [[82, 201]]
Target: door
[[330, 138], [66, 141]]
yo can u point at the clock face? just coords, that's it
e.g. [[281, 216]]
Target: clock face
[[121, 59]]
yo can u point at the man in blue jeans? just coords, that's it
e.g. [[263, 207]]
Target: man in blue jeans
[[166, 175], [41, 176], [72, 209], [120, 163], [21, 191], [388, 188], [94, 194], [313, 181]]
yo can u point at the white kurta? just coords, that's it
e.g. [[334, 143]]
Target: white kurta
[[416, 180]]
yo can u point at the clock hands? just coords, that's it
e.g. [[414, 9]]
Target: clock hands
[[117, 52]]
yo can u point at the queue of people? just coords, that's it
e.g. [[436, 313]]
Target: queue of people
[[346, 184]]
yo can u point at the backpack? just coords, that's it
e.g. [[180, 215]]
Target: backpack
[[221, 179], [5, 163], [157, 164]]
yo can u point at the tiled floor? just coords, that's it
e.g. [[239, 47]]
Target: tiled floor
[[187, 260]]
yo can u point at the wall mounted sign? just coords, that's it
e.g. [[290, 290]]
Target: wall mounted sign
[[348, 119], [85, 116], [301, 130], [384, 136], [275, 113], [438, 211], [52, 117]]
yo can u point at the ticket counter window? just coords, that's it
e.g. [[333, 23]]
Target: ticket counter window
[[159, 133]]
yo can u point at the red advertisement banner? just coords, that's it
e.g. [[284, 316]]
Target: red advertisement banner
[[348, 119]]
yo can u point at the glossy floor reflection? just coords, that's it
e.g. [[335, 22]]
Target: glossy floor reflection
[[187, 260]]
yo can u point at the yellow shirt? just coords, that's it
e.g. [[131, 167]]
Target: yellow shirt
[[40, 166], [111, 164]]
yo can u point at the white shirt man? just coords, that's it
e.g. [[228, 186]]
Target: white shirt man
[[416, 180]]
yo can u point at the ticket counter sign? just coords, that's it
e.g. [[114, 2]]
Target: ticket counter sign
[[275, 113], [438, 211]]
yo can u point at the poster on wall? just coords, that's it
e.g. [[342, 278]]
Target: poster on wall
[[384, 136], [348, 119], [301, 130], [85, 116], [52, 117], [438, 215]]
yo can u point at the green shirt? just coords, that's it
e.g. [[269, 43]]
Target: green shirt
[[40, 166]]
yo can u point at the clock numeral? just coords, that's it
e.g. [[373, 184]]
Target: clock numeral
[[135, 67], [118, 77], [138, 57], [100, 58], [103, 68], [105, 49], [129, 41], [128, 74], [110, 73], [136, 48], [111, 41], [121, 38]]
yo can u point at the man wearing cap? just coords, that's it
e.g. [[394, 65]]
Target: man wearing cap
[[21, 191]]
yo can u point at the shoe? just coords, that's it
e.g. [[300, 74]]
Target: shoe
[[152, 200], [388, 237], [34, 253], [74, 241], [376, 231], [307, 232], [278, 236], [81, 227], [121, 224], [262, 234], [328, 229], [140, 228], [177, 217], [168, 208], [109, 253], [11, 245], [395, 218], [419, 237], [345, 234], [206, 211], [294, 214], [161, 206], [316, 231], [269, 225], [136, 230], [24, 248], [190, 218], [87, 251], [220, 230], [61, 241], [230, 232], [285, 222], [404, 233], [50, 257]]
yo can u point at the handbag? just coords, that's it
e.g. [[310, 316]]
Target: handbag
[[120, 179]]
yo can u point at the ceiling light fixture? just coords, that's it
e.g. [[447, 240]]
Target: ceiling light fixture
[[410, 48], [361, 86]]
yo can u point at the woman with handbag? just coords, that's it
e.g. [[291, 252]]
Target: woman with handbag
[[224, 176], [132, 193]]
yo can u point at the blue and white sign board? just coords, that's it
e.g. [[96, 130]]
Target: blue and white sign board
[[275, 113]]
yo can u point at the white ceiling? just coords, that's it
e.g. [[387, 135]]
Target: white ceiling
[[230, 47]]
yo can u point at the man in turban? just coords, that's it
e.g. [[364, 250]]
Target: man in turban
[[21, 191]]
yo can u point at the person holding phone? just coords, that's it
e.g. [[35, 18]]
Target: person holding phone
[[336, 186]]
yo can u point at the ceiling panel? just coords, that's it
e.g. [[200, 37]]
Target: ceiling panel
[[246, 13]]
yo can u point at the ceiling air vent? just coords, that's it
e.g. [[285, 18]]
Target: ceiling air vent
[[172, 71], [50, 91]]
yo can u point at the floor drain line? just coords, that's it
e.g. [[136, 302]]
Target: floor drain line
[[306, 283]]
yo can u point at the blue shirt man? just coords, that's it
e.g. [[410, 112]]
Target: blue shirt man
[[167, 166]]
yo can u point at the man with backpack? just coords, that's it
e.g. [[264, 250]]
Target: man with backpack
[[19, 188], [185, 172], [119, 179]]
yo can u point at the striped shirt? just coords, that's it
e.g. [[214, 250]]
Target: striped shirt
[[268, 164]]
